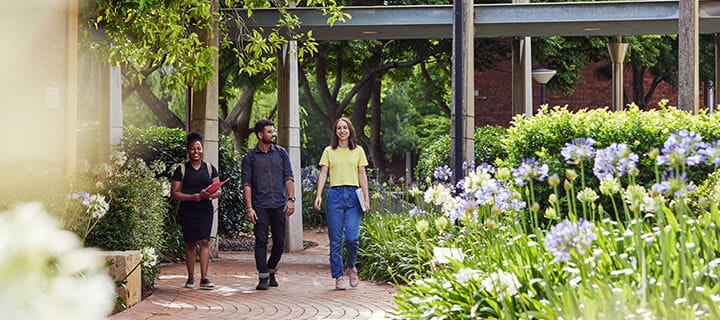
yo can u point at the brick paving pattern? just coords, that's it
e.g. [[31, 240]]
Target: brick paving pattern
[[306, 291]]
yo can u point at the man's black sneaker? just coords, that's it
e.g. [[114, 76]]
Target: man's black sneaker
[[262, 284], [206, 284], [273, 282], [190, 284]]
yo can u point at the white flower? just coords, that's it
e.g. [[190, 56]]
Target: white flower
[[40, 265], [574, 281], [622, 271], [501, 283], [149, 257], [464, 275], [166, 185], [97, 206]]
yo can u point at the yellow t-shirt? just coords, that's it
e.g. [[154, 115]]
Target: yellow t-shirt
[[343, 165]]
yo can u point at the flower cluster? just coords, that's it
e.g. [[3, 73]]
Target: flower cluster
[[95, 204], [567, 237], [578, 150], [149, 257], [673, 184], [682, 148], [442, 174], [501, 283], [416, 211], [614, 161], [529, 170], [48, 273], [310, 177]]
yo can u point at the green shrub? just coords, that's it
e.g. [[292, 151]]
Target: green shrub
[[488, 148], [137, 205], [231, 216], [545, 134]]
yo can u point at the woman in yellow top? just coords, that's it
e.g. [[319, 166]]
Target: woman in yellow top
[[346, 161]]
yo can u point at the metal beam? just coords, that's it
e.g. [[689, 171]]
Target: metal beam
[[491, 20]]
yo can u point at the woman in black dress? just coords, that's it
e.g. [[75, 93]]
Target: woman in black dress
[[195, 214]]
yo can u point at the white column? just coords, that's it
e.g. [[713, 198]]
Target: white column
[[289, 136], [522, 74], [688, 56]]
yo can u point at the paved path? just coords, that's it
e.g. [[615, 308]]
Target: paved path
[[306, 291]]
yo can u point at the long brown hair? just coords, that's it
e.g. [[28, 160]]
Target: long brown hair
[[352, 142]]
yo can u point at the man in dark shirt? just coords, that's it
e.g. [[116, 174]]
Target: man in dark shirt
[[266, 173]]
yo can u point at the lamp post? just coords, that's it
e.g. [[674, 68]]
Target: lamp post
[[543, 76]]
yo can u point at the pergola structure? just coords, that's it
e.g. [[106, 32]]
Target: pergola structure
[[520, 20]]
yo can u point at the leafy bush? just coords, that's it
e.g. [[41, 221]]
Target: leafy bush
[[231, 215], [488, 148], [311, 216], [127, 208]]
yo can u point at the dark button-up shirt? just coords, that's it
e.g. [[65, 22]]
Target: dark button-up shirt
[[266, 174]]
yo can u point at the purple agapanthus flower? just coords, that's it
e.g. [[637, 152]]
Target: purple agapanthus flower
[[415, 211], [712, 153], [528, 170], [682, 148], [578, 150], [468, 164], [567, 237], [614, 161], [442, 173], [673, 184], [81, 194]]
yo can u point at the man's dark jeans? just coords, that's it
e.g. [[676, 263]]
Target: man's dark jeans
[[274, 219]]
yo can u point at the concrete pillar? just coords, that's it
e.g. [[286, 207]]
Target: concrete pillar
[[463, 111], [688, 56], [289, 135], [110, 110], [521, 74], [204, 115], [716, 82], [617, 51]]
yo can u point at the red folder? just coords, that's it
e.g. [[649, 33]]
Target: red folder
[[213, 187]]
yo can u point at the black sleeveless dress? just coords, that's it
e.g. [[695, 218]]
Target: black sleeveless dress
[[195, 217]]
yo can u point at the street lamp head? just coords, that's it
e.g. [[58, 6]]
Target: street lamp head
[[542, 76]]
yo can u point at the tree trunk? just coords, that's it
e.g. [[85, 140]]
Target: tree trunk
[[238, 121], [638, 85], [159, 107], [376, 149]]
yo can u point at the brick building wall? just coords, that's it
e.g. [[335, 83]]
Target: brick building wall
[[493, 93]]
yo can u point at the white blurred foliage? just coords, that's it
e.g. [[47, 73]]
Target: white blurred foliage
[[45, 273]]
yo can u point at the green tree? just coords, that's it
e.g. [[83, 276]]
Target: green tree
[[165, 38]]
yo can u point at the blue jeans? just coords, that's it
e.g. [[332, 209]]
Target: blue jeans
[[343, 214]]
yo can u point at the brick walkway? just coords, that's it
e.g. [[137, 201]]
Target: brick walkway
[[306, 291]]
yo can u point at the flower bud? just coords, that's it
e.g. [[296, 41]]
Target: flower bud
[[490, 224], [535, 207], [503, 174], [495, 211], [550, 213], [571, 174], [652, 154], [567, 185], [422, 226], [441, 223], [553, 198], [554, 180]]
